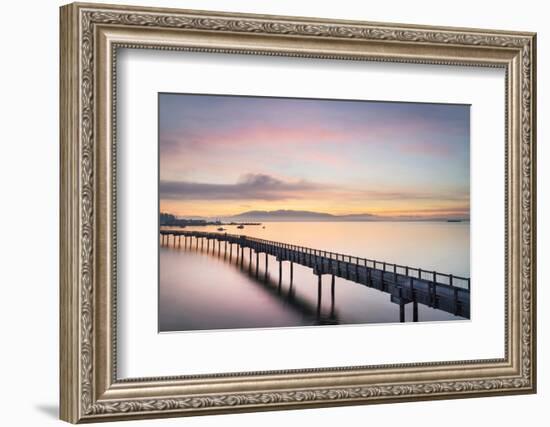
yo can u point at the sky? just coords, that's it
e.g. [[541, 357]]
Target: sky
[[224, 155]]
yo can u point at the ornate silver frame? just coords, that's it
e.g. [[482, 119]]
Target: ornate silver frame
[[90, 36]]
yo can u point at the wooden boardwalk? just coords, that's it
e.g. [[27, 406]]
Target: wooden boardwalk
[[404, 284]]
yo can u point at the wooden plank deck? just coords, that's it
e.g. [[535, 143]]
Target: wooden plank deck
[[404, 284]]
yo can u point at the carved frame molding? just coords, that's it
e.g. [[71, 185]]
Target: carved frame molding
[[90, 36]]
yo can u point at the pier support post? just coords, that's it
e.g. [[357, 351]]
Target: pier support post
[[266, 262], [319, 294], [332, 291], [257, 262], [230, 251], [415, 311], [219, 247], [242, 256], [401, 306], [280, 273], [249, 259], [291, 272], [455, 293], [202, 243]]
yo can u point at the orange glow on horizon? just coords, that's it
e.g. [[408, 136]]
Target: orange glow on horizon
[[389, 208]]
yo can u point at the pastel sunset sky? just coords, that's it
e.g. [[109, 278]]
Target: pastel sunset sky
[[223, 155]]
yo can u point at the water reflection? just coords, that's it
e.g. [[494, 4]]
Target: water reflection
[[211, 285]]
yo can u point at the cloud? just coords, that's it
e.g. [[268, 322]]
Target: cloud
[[268, 188], [249, 187]]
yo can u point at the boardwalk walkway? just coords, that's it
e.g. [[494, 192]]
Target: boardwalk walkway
[[404, 284]]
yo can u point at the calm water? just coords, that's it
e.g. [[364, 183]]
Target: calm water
[[205, 291]]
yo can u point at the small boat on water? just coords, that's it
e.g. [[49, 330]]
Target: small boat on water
[[221, 229], [240, 226]]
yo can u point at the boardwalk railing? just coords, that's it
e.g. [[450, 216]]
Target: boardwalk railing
[[417, 273], [406, 284]]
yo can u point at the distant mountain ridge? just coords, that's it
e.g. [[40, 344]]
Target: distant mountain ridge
[[297, 215], [301, 215]]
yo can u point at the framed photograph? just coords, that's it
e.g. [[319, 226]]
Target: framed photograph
[[266, 212]]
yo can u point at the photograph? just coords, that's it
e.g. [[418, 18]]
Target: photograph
[[300, 212]]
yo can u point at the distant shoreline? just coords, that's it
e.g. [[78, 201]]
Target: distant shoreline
[[183, 224], [284, 215]]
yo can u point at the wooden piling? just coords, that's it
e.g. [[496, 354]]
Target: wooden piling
[[332, 293], [455, 301], [319, 294], [401, 306]]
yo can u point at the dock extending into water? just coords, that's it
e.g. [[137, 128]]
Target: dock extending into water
[[404, 284]]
